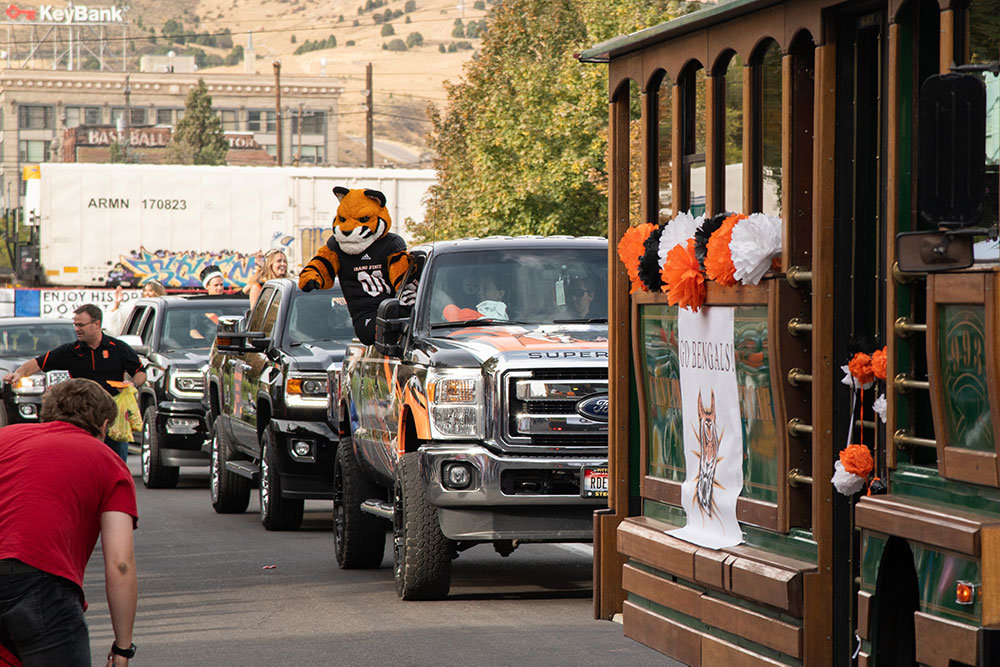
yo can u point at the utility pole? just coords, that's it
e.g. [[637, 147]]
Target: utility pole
[[277, 105], [369, 126], [128, 115], [298, 153]]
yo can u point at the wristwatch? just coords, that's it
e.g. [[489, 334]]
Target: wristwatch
[[123, 652]]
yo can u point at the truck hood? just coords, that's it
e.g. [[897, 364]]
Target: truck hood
[[315, 356], [181, 359], [519, 344]]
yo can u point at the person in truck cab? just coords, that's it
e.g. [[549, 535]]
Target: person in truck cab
[[579, 296], [491, 296]]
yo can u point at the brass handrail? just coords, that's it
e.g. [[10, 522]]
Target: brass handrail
[[796, 428], [796, 326], [797, 376], [798, 275], [904, 383], [904, 326], [903, 439], [797, 478]]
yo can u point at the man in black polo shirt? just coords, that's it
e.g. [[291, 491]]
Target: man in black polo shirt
[[94, 356]]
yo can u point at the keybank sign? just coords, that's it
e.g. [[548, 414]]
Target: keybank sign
[[67, 14]]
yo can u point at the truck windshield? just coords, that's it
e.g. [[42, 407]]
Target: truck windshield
[[527, 286], [319, 316], [194, 328], [31, 340]]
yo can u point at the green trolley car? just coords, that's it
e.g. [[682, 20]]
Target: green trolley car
[[870, 130]]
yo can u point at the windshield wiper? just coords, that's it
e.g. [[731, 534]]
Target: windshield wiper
[[483, 321], [592, 320]]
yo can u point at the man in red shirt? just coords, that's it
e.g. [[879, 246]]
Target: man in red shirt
[[61, 487]]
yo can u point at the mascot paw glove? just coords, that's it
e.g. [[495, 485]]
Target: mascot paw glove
[[310, 285], [408, 295]]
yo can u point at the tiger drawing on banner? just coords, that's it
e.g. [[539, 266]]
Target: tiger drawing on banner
[[709, 441]]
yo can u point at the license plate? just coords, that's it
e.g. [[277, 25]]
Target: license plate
[[594, 482]]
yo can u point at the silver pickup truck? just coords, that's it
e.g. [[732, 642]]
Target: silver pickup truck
[[480, 413]]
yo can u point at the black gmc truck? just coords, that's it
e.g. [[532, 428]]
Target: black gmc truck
[[268, 395], [174, 334]]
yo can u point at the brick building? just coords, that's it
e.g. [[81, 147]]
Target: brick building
[[56, 116]]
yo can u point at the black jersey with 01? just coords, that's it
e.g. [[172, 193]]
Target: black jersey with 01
[[364, 279]]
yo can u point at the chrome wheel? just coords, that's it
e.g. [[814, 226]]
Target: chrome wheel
[[145, 452], [265, 483], [214, 475]]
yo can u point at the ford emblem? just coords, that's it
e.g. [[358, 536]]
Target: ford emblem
[[594, 407]]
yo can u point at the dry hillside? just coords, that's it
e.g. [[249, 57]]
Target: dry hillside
[[405, 82]]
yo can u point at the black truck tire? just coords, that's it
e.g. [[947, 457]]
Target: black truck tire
[[155, 475], [421, 552], [358, 537], [276, 513], [230, 492]]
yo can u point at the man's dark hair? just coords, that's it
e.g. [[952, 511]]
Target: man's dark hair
[[80, 402], [91, 310]]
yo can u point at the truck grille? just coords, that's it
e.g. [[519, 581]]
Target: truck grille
[[541, 407]]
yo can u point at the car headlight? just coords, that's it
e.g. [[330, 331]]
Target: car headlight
[[456, 404], [307, 390], [187, 384], [32, 384]]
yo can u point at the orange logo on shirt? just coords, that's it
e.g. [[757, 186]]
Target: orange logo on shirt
[[105, 354]]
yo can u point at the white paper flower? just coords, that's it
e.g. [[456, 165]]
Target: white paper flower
[[846, 482], [879, 407], [852, 381], [756, 240], [677, 232]]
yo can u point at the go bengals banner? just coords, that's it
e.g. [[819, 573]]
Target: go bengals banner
[[713, 431]]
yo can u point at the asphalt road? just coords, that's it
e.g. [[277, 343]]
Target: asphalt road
[[205, 598]]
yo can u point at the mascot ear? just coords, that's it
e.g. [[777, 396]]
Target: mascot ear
[[376, 195], [340, 193]]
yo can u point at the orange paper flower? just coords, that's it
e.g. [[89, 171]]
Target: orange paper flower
[[683, 280], [861, 368], [857, 460], [718, 260], [878, 363], [630, 250]]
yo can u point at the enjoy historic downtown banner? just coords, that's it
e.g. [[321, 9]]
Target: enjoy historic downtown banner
[[713, 432]]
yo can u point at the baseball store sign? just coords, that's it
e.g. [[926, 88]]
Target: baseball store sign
[[68, 13]]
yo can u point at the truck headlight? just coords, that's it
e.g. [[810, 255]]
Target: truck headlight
[[32, 384], [187, 384], [307, 390], [456, 404]]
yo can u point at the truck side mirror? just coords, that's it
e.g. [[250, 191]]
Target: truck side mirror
[[928, 252], [951, 176], [390, 323]]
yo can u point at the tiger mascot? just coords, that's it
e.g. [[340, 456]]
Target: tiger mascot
[[370, 261]]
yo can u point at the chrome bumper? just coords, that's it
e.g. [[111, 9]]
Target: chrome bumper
[[485, 489]]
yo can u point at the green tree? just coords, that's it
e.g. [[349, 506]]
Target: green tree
[[414, 39], [410, 6], [198, 138], [388, 30], [173, 30], [234, 57], [224, 40], [395, 45], [521, 146]]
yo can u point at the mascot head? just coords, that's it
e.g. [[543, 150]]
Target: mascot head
[[361, 219]]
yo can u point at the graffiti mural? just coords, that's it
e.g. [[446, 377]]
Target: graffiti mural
[[181, 269]]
